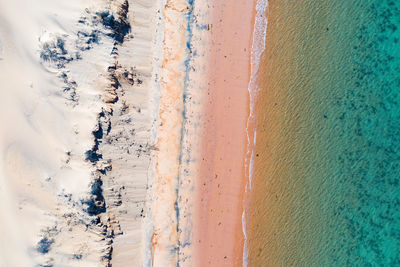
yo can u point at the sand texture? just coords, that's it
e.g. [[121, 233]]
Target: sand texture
[[219, 234], [124, 132]]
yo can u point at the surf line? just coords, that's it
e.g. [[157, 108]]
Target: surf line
[[257, 49]]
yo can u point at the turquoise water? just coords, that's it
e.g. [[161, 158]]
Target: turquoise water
[[327, 179], [361, 135]]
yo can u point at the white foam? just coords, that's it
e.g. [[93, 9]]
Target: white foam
[[257, 49]]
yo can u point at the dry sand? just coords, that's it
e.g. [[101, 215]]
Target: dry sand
[[72, 89], [123, 147], [183, 81], [219, 239]]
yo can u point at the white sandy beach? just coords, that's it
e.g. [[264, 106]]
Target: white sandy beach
[[98, 137], [105, 105], [66, 202]]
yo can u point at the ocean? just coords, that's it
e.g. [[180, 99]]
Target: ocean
[[326, 185]]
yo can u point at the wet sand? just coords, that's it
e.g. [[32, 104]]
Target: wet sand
[[218, 235]]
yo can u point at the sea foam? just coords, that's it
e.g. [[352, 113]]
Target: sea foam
[[257, 49]]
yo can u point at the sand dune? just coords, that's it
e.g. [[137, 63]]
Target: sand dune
[[79, 115]]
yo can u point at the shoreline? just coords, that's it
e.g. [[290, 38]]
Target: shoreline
[[219, 236], [257, 50]]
